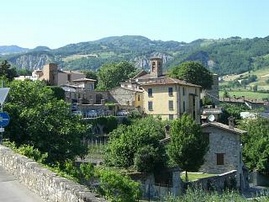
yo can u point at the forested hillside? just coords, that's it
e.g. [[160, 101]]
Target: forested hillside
[[222, 56]]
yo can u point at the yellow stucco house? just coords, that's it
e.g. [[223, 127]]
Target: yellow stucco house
[[167, 97]]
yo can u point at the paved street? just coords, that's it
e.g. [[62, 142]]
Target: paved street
[[12, 191]]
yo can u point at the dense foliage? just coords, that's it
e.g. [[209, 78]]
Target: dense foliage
[[110, 75], [118, 187], [195, 195], [6, 71], [127, 145], [193, 72], [231, 110], [187, 146], [256, 144], [40, 120]]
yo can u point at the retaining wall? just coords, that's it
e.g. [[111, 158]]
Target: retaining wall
[[42, 181], [219, 182]]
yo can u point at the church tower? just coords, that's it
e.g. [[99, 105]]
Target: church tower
[[156, 67]]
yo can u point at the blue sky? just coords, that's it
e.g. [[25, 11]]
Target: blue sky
[[55, 23]]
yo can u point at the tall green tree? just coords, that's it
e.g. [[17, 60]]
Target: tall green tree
[[41, 120], [7, 71], [110, 75], [187, 146], [256, 144], [193, 72], [127, 145]]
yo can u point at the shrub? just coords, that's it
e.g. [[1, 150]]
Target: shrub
[[117, 187]]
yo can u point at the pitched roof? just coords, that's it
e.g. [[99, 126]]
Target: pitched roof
[[139, 74], [224, 127], [84, 80], [148, 80], [128, 89]]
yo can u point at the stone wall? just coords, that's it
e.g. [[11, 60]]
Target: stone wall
[[42, 181], [217, 183]]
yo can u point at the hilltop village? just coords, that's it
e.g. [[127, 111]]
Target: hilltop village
[[218, 151]]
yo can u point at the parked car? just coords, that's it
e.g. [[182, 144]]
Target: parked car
[[101, 112], [122, 113], [74, 106], [78, 113], [91, 113]]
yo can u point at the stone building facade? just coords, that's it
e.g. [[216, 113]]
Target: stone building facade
[[55, 77], [225, 153], [126, 97]]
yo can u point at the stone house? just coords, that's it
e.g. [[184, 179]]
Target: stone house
[[55, 77], [127, 97], [225, 150]]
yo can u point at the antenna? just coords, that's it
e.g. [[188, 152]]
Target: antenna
[[211, 117]]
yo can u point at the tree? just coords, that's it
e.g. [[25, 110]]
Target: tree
[[193, 72], [256, 144], [127, 144], [188, 145], [110, 75], [24, 72], [233, 110], [7, 71], [41, 120]]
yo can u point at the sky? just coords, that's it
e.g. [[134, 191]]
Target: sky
[[56, 23]]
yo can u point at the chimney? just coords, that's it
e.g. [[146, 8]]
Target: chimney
[[231, 122]]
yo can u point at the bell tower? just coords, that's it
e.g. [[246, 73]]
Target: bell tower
[[156, 67]]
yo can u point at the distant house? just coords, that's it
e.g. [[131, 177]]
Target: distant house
[[210, 113], [82, 91], [127, 97], [225, 150], [55, 77]]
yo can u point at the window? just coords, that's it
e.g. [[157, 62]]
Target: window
[[170, 91], [184, 107], [150, 105], [220, 158], [183, 91], [138, 98], [171, 105], [171, 116], [150, 92]]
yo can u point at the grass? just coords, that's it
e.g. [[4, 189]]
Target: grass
[[192, 176], [77, 56], [246, 94]]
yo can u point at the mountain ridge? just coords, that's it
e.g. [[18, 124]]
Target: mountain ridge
[[222, 56]]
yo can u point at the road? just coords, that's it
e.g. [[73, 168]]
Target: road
[[12, 191]]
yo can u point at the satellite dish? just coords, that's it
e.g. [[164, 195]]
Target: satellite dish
[[211, 117]]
